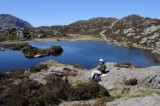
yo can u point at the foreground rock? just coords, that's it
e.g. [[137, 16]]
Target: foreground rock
[[153, 100], [126, 85], [45, 84], [149, 77]]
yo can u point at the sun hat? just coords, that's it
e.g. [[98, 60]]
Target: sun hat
[[101, 60]]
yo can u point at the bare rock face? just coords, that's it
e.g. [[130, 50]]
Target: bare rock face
[[153, 100], [116, 79], [141, 85]]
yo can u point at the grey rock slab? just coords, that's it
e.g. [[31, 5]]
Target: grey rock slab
[[153, 100]]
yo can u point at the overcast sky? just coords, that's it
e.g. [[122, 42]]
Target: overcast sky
[[63, 12]]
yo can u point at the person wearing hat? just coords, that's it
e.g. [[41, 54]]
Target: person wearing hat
[[99, 70]]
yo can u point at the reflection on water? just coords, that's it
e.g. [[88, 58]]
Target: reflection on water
[[83, 53]]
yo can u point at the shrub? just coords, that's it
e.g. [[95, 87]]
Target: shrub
[[127, 65], [38, 68], [78, 67], [69, 72], [18, 74], [23, 93], [85, 91], [30, 92], [132, 81], [3, 76], [55, 49], [102, 101], [123, 65], [57, 86]]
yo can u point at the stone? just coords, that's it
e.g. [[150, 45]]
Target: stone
[[153, 100], [151, 29], [2, 49], [158, 86], [38, 55]]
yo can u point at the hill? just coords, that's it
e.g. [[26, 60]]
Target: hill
[[135, 31], [7, 20]]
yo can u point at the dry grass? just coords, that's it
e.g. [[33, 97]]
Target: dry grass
[[79, 37]]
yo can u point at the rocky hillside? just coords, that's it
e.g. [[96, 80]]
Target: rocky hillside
[[7, 20], [92, 26], [84, 27], [130, 31], [135, 31]]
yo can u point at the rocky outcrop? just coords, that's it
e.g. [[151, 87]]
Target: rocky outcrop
[[90, 27], [117, 77], [143, 88], [153, 100], [135, 31]]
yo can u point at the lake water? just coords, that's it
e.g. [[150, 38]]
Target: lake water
[[83, 53]]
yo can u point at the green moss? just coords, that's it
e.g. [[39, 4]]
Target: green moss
[[51, 63], [125, 95], [75, 82], [101, 40], [102, 101], [148, 92], [142, 93], [78, 67]]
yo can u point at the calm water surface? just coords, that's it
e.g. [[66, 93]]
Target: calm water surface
[[84, 53]]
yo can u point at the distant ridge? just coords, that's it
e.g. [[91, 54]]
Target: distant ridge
[[7, 20]]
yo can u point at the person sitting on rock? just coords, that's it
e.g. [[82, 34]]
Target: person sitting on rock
[[99, 70]]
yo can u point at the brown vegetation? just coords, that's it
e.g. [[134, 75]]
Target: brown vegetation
[[16, 88], [132, 81], [30, 51], [127, 65]]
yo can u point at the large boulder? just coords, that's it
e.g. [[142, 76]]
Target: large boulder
[[149, 77]]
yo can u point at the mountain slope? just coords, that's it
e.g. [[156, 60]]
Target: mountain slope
[[92, 26], [7, 20], [135, 31]]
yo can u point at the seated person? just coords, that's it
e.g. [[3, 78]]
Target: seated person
[[100, 69]]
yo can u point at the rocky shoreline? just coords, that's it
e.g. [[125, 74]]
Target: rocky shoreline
[[126, 84], [152, 50]]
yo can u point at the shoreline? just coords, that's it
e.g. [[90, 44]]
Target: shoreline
[[72, 37], [151, 50], [77, 37]]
